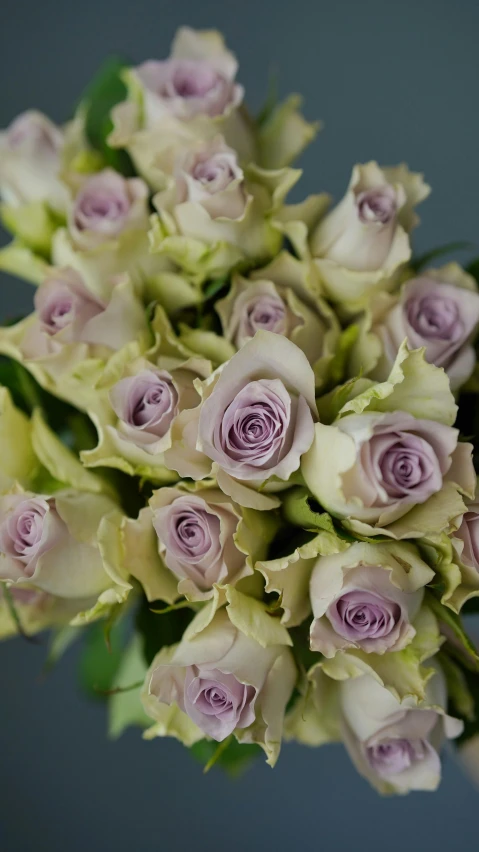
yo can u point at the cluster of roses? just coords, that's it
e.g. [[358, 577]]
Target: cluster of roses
[[276, 385]]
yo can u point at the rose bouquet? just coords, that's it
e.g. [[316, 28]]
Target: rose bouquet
[[235, 432]]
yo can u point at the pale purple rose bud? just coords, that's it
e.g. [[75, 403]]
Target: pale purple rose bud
[[188, 87], [107, 205], [64, 304], [217, 702], [261, 311], [391, 757], [468, 533], [30, 528], [378, 205], [33, 133], [210, 175], [145, 404], [360, 615], [441, 317]]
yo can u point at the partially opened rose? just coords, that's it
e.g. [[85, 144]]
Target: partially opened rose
[[141, 406], [106, 206], [394, 745], [367, 597], [30, 160], [440, 311], [50, 543], [282, 298], [362, 243], [72, 329], [466, 538], [256, 418], [372, 469], [196, 539], [225, 683]]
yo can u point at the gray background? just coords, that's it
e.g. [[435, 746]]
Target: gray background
[[392, 81]]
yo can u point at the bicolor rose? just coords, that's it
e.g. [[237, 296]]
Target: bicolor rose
[[371, 469], [196, 538], [363, 242], [440, 311], [225, 683], [30, 160], [367, 598], [50, 543], [395, 745], [106, 206]]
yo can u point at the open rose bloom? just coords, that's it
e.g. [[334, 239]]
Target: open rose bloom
[[238, 433]]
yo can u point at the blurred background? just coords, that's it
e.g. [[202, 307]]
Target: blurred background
[[392, 81]]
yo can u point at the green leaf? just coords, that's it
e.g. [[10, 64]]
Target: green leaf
[[98, 665], [106, 89], [453, 622], [457, 689], [213, 287], [301, 509], [418, 263], [230, 755], [156, 631], [60, 641], [272, 97]]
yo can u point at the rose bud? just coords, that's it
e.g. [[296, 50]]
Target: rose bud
[[221, 682], [106, 206], [30, 160], [196, 539], [394, 745], [367, 597], [440, 311], [45, 543]]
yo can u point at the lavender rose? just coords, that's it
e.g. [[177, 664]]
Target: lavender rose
[[223, 682], [50, 543], [395, 745], [438, 315], [64, 305], [105, 207], [209, 174], [367, 597], [468, 536], [374, 468], [258, 418], [30, 154], [145, 405], [31, 526], [196, 539]]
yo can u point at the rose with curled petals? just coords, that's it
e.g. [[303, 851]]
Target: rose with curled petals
[[440, 311], [367, 598], [218, 702], [64, 304], [31, 528], [106, 206], [145, 405], [196, 539], [30, 160], [395, 745]]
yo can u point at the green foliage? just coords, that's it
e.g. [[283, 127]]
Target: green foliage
[[157, 630], [301, 509], [105, 90], [100, 660], [453, 624], [231, 755], [418, 263]]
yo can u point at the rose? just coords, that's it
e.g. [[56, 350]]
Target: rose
[[106, 206], [50, 542], [30, 159], [371, 469], [197, 80], [367, 598], [225, 683], [146, 405], [466, 538], [438, 315], [208, 174], [196, 538], [362, 242], [395, 744], [65, 307], [257, 419]]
